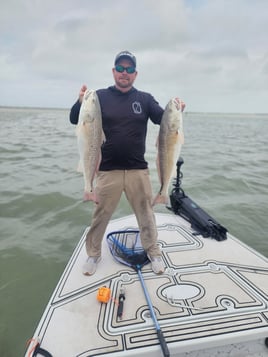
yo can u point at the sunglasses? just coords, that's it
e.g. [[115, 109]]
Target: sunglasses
[[121, 69]]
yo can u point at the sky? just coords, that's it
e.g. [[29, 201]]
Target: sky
[[211, 53]]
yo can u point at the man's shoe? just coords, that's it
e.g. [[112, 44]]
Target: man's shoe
[[90, 265], [158, 265]]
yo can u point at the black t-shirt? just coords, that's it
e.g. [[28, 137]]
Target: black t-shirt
[[124, 121]]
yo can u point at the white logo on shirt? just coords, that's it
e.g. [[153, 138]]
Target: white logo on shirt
[[136, 107]]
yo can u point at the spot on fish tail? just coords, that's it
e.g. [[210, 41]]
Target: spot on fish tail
[[90, 196]]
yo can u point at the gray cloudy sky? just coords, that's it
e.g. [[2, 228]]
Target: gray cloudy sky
[[211, 53]]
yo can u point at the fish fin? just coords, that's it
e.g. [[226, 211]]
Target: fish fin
[[158, 167], [103, 137], [157, 141], [180, 137]]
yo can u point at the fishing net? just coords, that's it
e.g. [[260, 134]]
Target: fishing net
[[125, 247]]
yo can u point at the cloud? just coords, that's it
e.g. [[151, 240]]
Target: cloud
[[209, 52]]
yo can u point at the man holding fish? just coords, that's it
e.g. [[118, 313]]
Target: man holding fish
[[111, 131]]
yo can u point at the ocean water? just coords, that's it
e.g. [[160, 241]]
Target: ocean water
[[42, 216]]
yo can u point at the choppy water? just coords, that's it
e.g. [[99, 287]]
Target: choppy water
[[43, 217]]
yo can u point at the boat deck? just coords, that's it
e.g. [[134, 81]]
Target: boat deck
[[212, 300]]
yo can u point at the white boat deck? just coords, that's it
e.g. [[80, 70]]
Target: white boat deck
[[212, 300]]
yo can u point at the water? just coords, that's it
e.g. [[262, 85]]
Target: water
[[43, 217]]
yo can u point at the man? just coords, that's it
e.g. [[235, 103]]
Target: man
[[125, 113]]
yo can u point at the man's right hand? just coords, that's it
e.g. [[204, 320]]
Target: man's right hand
[[82, 92]]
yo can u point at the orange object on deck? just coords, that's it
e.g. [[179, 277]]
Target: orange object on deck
[[104, 294]]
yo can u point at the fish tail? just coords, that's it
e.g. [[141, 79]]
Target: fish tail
[[160, 199], [90, 196]]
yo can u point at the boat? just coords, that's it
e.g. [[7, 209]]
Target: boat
[[212, 299]]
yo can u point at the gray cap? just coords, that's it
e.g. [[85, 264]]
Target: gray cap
[[126, 55]]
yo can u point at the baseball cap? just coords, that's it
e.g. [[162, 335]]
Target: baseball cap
[[126, 55]]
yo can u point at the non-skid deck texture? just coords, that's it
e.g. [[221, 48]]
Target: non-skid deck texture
[[212, 294]]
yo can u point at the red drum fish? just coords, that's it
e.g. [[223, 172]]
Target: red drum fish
[[170, 141], [90, 137]]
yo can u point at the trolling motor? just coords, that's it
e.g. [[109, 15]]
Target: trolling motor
[[184, 206]]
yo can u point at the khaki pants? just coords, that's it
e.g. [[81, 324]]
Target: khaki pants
[[137, 187]]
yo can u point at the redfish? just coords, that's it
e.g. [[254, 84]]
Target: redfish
[[170, 140], [90, 138]]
